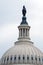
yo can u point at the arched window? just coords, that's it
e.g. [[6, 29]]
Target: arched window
[[7, 59], [26, 32], [19, 58], [36, 58], [31, 58], [4, 60], [15, 58], [42, 59], [27, 57], [23, 31], [11, 58], [39, 59], [23, 57]]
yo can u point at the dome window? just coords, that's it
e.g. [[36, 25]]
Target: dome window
[[23, 32], [26, 32], [23, 57], [31, 58], [15, 58], [27, 57], [36, 58], [42, 59], [11, 58], [19, 57], [39, 59], [7, 58], [4, 59]]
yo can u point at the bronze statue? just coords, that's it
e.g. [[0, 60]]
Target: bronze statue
[[24, 16], [24, 11]]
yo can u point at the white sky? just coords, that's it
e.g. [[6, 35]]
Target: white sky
[[10, 18]]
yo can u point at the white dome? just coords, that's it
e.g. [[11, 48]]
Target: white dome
[[30, 53], [23, 50]]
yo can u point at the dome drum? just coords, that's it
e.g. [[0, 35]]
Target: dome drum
[[24, 59], [24, 32]]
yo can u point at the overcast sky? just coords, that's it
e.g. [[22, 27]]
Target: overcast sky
[[11, 17]]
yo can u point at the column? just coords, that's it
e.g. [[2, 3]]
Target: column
[[19, 33], [22, 32], [25, 32]]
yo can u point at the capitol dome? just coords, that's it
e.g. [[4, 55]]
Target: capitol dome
[[23, 52]]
